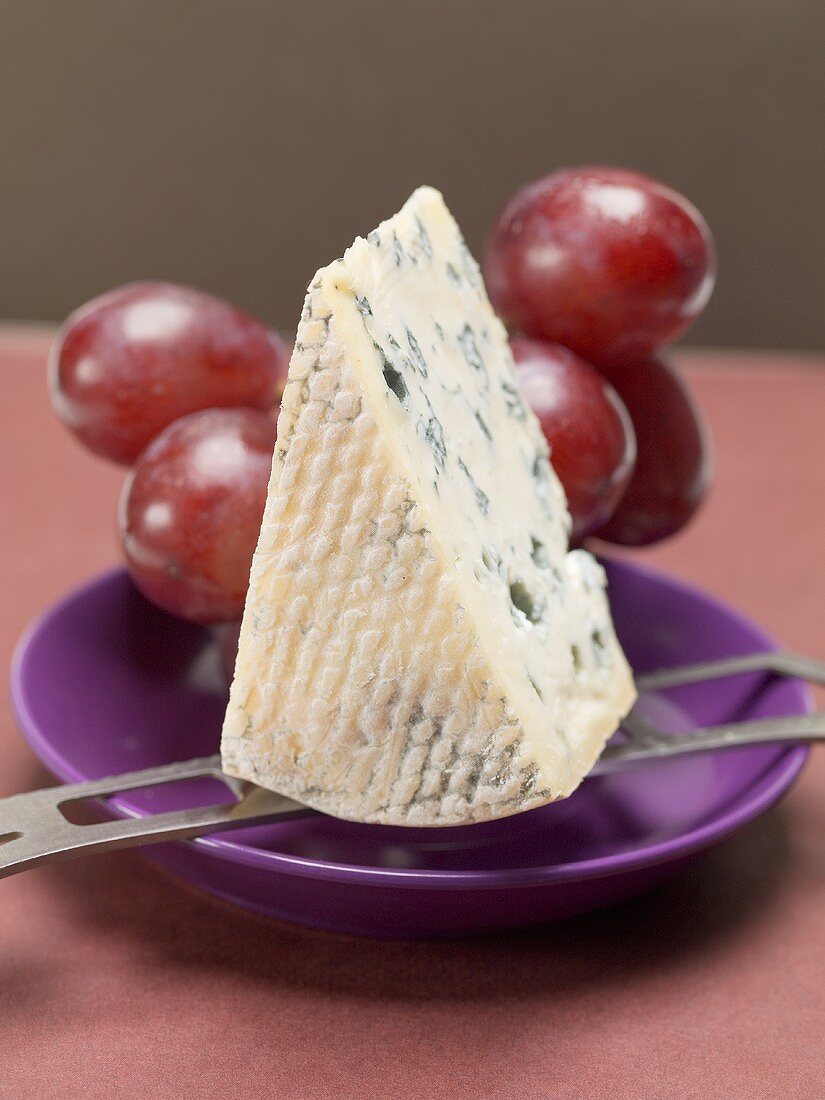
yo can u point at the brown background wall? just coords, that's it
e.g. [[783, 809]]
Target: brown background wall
[[239, 146]]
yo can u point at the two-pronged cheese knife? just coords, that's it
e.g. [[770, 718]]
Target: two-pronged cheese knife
[[35, 827]]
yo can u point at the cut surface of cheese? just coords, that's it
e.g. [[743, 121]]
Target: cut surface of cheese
[[419, 646]]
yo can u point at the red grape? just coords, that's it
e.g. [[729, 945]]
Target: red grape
[[604, 261], [191, 509], [673, 468], [130, 362], [592, 445]]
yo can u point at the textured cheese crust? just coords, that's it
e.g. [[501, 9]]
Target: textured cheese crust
[[418, 646]]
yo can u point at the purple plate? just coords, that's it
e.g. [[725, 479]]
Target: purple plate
[[105, 683]]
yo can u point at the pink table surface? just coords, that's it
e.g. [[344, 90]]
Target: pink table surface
[[116, 981]]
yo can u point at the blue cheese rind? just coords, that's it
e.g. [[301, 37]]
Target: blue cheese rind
[[419, 647]]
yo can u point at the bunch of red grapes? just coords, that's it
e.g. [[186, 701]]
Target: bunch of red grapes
[[185, 389], [592, 269], [595, 269]]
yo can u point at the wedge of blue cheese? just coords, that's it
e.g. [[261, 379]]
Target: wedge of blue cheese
[[419, 647]]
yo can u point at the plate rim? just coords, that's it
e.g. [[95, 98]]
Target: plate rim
[[772, 782]]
